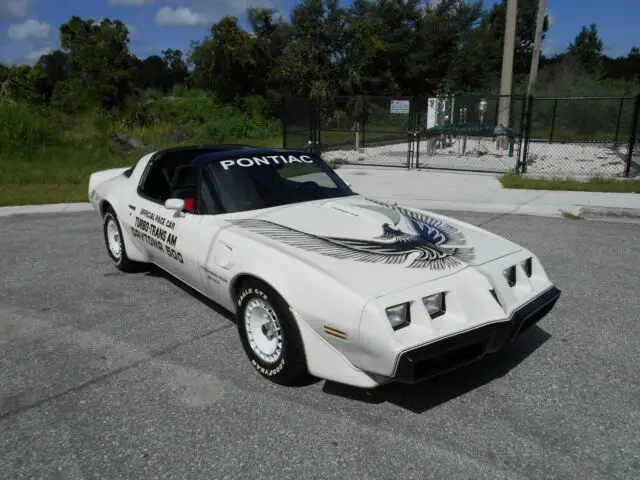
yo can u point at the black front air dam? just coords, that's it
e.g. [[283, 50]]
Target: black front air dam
[[436, 358]]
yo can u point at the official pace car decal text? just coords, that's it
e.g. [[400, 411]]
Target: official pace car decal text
[[159, 234], [268, 160], [429, 243]]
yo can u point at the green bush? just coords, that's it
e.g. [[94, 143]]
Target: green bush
[[191, 110], [228, 124], [72, 97], [138, 113], [24, 127]]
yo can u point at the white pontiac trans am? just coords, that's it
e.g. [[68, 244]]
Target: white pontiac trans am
[[322, 281]]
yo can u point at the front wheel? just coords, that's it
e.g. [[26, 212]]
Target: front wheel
[[270, 335], [115, 243]]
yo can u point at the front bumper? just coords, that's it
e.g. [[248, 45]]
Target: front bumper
[[426, 361]]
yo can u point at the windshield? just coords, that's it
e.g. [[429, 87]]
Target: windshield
[[252, 183]]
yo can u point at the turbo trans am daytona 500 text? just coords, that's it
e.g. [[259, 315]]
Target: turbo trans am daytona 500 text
[[322, 281]]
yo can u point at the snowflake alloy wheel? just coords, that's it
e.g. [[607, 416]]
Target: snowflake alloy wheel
[[113, 238], [264, 332]]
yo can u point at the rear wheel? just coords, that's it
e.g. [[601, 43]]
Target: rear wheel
[[115, 243], [269, 334]]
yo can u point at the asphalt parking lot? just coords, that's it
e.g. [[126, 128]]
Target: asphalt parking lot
[[108, 375]]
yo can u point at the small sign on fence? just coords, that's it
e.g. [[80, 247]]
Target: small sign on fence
[[400, 106]]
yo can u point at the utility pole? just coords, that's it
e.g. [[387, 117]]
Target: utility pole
[[506, 80], [537, 44]]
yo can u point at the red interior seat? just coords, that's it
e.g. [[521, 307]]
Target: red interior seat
[[189, 204]]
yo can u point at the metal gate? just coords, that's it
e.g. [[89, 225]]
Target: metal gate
[[300, 129], [467, 133]]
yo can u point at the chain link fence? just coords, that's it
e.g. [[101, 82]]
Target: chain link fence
[[583, 136], [569, 136], [633, 149]]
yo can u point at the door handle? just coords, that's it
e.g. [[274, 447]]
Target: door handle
[[132, 207]]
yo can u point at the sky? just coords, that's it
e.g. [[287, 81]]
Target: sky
[[29, 28]]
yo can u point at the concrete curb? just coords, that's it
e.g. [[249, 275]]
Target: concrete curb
[[617, 212], [47, 208], [534, 210]]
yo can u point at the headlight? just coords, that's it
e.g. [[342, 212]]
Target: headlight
[[527, 266], [435, 304], [399, 316], [510, 275]]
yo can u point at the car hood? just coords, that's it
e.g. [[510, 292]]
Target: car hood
[[372, 247]]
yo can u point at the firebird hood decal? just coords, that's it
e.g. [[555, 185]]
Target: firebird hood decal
[[431, 244]]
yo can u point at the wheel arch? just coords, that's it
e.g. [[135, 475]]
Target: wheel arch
[[323, 360], [236, 284], [104, 205], [132, 250]]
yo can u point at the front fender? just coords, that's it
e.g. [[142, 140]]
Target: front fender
[[328, 308]]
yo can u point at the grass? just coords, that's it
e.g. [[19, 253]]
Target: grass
[[337, 138], [596, 184], [41, 193], [47, 157], [61, 175]]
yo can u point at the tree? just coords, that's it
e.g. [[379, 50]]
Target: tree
[[371, 47], [315, 47], [151, 73], [623, 68], [269, 40], [444, 54], [176, 70], [15, 85], [100, 61], [49, 71], [380, 36], [225, 62], [587, 49]]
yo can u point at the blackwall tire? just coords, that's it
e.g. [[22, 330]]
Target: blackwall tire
[[269, 334]]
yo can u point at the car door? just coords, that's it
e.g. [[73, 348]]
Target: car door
[[216, 257], [185, 242], [166, 236], [177, 246], [143, 206]]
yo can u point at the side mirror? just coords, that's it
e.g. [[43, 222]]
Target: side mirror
[[174, 204]]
